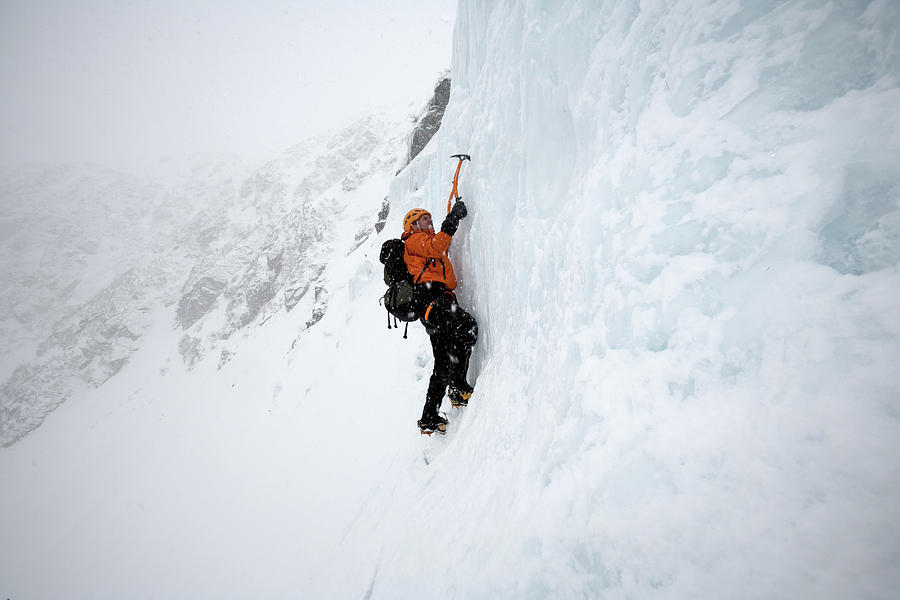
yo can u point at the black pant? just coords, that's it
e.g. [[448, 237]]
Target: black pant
[[453, 333]]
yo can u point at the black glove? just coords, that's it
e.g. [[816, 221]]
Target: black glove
[[456, 214]]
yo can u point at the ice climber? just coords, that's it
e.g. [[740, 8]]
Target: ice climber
[[452, 330]]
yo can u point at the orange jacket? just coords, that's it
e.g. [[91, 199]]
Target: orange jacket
[[426, 257]]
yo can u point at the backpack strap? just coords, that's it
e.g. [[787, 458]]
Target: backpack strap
[[389, 312], [422, 272]]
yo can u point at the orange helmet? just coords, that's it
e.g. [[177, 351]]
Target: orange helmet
[[413, 216]]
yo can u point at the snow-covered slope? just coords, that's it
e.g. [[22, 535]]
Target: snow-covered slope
[[210, 420], [682, 250]]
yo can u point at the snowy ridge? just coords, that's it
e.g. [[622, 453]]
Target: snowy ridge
[[296, 212], [239, 255]]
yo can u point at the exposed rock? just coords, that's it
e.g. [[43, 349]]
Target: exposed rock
[[197, 301], [91, 344], [224, 358], [429, 121], [320, 307], [361, 236], [189, 347], [383, 214], [223, 256]]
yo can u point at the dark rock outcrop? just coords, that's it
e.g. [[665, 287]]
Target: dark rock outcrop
[[429, 121], [198, 300]]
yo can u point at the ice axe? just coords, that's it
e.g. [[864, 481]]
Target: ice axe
[[454, 194]]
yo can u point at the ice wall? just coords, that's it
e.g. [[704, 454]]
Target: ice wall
[[683, 251]]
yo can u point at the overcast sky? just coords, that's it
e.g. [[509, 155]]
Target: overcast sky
[[103, 81]]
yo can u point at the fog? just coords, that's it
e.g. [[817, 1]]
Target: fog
[[113, 82]]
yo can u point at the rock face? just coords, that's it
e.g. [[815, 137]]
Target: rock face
[[86, 347], [383, 214], [89, 258], [429, 121], [198, 300]]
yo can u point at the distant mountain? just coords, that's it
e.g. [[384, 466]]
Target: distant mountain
[[89, 255], [85, 252]]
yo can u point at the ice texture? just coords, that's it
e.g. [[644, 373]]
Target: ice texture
[[682, 252]]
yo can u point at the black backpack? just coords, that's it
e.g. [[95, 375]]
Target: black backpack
[[400, 298]]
